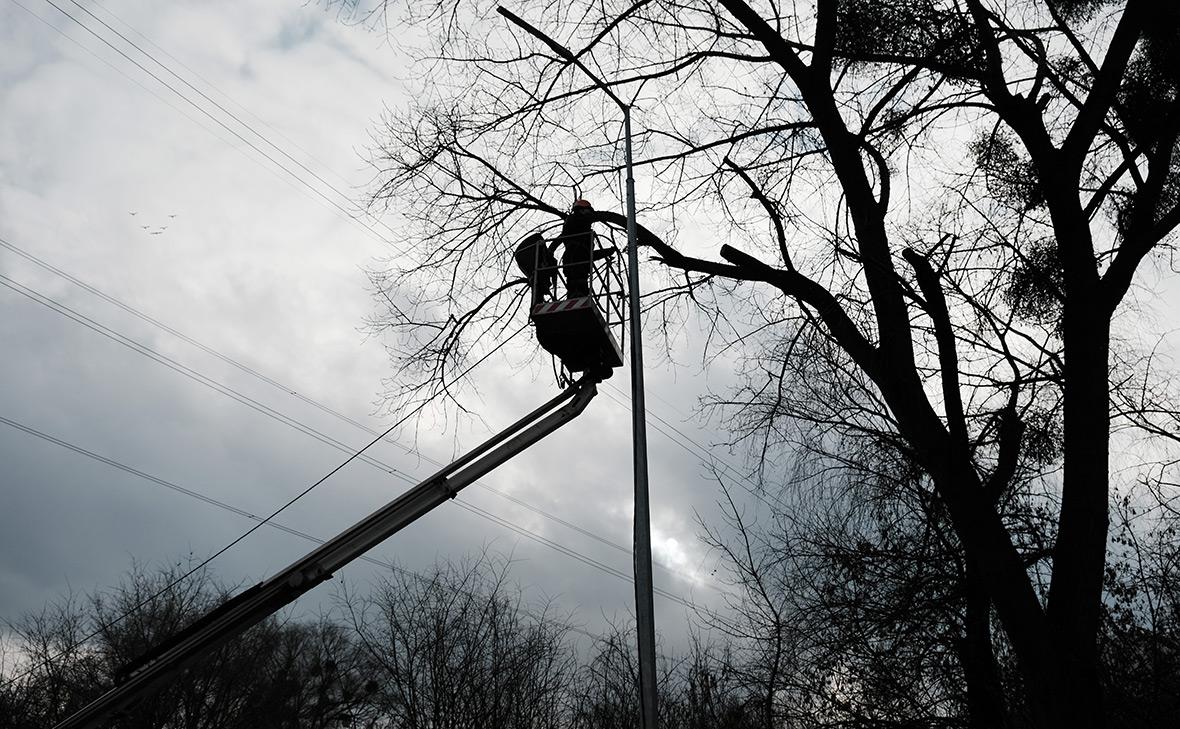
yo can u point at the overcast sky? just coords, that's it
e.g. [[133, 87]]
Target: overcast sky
[[171, 206]]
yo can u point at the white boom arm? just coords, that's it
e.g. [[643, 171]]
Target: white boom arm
[[264, 599]]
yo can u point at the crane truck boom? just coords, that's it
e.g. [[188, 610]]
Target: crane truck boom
[[264, 599]]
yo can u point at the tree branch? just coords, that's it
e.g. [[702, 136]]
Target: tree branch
[[944, 335]]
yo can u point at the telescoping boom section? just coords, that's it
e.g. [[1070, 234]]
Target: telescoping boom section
[[264, 599]]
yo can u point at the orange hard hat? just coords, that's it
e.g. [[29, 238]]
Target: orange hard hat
[[583, 204]]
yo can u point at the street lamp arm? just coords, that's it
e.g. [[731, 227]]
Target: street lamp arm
[[561, 51]]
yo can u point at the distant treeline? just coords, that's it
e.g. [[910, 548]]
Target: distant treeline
[[460, 648]]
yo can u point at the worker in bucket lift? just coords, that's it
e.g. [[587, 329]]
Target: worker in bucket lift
[[536, 261], [579, 253]]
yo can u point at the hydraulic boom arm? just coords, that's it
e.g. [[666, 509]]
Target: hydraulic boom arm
[[264, 599]]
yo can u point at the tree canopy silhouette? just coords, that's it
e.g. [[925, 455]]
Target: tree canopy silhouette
[[915, 224]]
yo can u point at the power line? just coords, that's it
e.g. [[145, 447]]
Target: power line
[[233, 116], [185, 370], [225, 506], [178, 334], [196, 376], [222, 124], [277, 511], [140, 84], [172, 364], [702, 452], [215, 103], [307, 430], [254, 404], [301, 188], [155, 322], [182, 369], [142, 349], [270, 412], [579, 556], [229, 98], [113, 463]]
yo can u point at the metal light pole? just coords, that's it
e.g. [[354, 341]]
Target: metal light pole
[[645, 618], [644, 608]]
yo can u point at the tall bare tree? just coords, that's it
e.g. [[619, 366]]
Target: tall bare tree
[[953, 198]]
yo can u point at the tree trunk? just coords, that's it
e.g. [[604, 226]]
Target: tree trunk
[[985, 693], [1075, 595]]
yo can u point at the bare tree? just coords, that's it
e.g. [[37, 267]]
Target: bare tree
[[952, 197], [1141, 628], [458, 648], [278, 674], [697, 691], [852, 606]]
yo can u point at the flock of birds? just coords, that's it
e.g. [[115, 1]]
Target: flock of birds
[[153, 229]]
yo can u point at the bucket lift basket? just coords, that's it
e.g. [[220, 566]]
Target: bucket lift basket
[[578, 330]]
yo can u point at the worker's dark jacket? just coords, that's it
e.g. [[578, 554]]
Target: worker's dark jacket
[[578, 241]]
